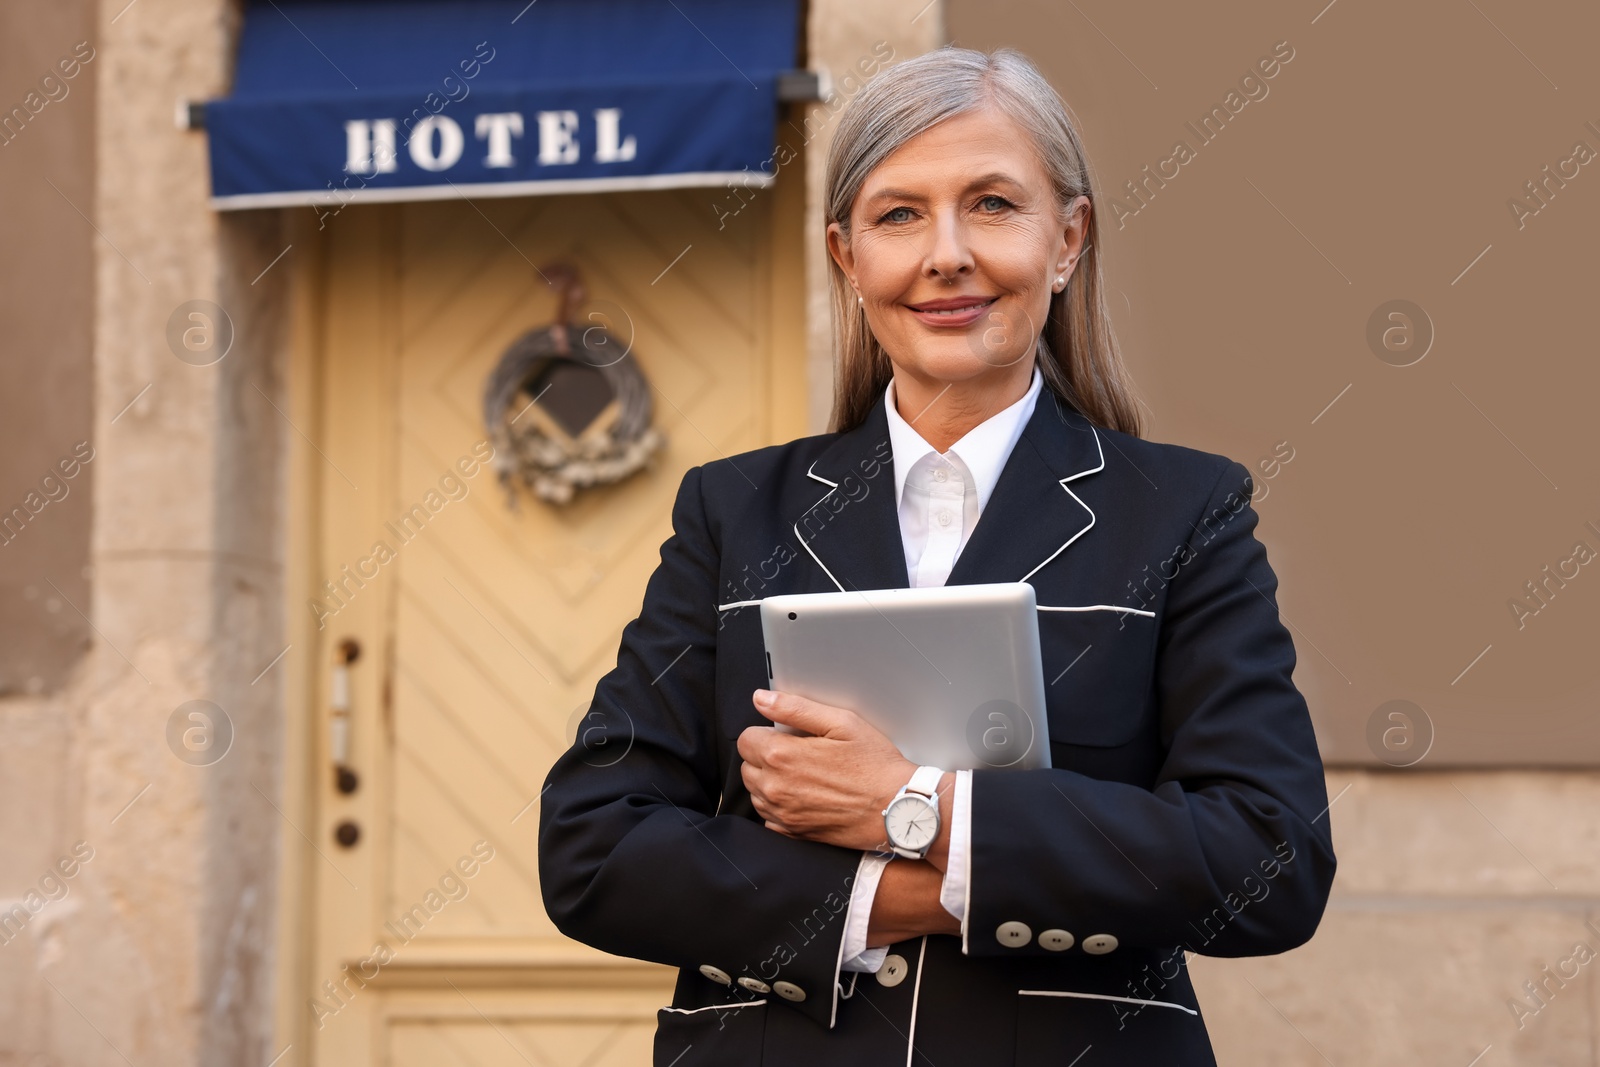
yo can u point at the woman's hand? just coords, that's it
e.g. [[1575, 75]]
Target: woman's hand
[[831, 787]]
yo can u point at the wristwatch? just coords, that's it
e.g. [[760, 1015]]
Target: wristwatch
[[912, 817]]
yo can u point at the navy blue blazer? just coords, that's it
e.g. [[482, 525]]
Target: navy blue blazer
[[1185, 810]]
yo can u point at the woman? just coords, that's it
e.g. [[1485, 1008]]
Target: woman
[[1050, 916]]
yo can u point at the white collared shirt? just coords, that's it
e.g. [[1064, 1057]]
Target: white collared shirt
[[939, 498]]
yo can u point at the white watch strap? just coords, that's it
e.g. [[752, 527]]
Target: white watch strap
[[925, 781]]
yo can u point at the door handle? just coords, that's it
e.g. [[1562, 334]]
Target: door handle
[[345, 780]]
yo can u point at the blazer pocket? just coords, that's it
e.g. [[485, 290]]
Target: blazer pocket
[[1098, 674], [722, 1035], [1055, 1026]]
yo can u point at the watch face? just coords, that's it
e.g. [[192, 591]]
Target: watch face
[[912, 823]]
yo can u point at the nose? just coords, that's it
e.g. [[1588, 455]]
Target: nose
[[948, 255]]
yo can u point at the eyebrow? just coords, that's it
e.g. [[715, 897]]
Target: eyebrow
[[993, 178]]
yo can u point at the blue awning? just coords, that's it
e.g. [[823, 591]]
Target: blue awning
[[337, 101]]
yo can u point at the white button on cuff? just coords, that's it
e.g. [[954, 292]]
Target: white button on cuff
[[894, 970], [1014, 934], [789, 991], [755, 985], [1099, 944], [716, 974], [1054, 940]]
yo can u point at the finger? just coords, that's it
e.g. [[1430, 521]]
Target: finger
[[811, 716], [763, 808], [752, 744]]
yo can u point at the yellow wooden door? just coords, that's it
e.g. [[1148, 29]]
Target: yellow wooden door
[[481, 629]]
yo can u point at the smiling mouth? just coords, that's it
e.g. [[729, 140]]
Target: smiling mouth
[[942, 307]]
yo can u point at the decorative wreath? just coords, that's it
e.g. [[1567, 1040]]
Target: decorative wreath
[[537, 450]]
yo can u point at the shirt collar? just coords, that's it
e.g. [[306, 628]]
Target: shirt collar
[[984, 449]]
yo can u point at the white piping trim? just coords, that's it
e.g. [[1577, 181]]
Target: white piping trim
[[819, 478], [1093, 607], [1092, 470], [838, 968], [813, 555], [1079, 499], [1103, 996], [753, 603], [717, 1007], [966, 905], [336, 198], [832, 486], [916, 991]]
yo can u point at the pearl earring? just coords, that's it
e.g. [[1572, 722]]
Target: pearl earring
[[860, 300], [1060, 281]]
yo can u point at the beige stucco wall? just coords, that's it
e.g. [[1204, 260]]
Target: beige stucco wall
[[46, 179], [161, 952], [1454, 889]]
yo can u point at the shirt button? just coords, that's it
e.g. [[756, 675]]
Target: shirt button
[[1013, 934], [893, 971], [940, 475], [944, 518]]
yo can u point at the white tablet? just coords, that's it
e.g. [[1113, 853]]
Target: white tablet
[[952, 674]]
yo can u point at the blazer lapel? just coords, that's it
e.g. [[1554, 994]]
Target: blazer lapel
[[1033, 516], [851, 528]]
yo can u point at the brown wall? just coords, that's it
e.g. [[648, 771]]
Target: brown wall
[[46, 311], [1378, 164]]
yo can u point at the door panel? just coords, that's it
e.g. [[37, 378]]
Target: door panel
[[484, 627], [485, 1029]]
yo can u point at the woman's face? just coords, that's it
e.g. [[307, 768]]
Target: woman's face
[[955, 245]]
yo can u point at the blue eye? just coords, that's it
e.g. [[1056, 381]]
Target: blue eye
[[1001, 201], [885, 217]]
